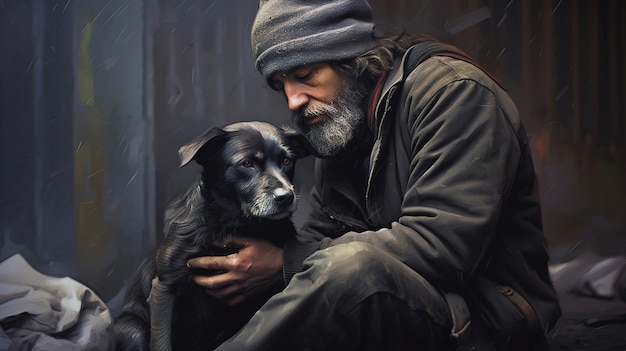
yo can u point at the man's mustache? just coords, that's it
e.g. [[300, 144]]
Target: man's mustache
[[311, 111]]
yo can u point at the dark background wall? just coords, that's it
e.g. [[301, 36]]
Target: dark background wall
[[97, 96]]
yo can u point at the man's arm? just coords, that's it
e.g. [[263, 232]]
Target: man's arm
[[464, 159], [464, 155]]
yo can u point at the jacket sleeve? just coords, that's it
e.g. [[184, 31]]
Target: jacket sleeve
[[318, 228], [463, 160]]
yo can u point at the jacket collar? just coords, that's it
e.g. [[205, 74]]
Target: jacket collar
[[383, 106], [394, 79]]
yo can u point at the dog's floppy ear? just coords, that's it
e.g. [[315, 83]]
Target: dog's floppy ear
[[298, 143], [202, 145]]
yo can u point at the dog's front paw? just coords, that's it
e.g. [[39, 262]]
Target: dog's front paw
[[156, 288], [161, 306]]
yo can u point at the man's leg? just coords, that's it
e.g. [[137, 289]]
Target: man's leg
[[350, 297]]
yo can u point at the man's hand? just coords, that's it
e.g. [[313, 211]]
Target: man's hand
[[257, 266]]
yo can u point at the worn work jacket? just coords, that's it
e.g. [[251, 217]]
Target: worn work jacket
[[448, 187]]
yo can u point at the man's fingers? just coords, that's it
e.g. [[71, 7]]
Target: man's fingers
[[231, 295], [235, 277], [224, 293], [221, 289], [209, 263], [214, 281]]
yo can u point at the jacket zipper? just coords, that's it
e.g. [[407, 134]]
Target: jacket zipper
[[345, 221], [376, 148]]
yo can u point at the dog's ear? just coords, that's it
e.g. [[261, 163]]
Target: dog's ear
[[298, 143], [201, 147]]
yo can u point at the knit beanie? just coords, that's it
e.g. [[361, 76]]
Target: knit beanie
[[291, 33]]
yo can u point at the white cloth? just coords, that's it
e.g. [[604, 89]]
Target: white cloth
[[591, 275], [40, 312]]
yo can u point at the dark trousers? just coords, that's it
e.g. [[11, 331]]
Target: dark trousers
[[350, 297]]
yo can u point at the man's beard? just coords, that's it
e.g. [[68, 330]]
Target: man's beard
[[346, 118]]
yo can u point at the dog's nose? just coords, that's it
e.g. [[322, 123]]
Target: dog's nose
[[283, 196]]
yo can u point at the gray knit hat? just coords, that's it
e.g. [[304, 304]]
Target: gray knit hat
[[291, 33]]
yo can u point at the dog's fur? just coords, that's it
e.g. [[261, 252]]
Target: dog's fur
[[245, 190]]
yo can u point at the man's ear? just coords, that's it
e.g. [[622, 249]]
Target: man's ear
[[202, 147], [298, 143]]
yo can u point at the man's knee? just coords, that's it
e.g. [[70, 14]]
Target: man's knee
[[355, 271], [355, 264]]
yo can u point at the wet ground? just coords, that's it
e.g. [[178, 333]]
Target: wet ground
[[588, 324], [574, 336]]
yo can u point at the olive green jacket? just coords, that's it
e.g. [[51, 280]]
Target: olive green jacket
[[448, 187]]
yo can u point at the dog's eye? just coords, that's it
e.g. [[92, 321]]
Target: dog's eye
[[287, 161], [247, 164]]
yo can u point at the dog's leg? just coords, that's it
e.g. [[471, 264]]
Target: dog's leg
[[161, 308], [132, 326]]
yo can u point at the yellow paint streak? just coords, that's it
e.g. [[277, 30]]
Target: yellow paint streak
[[89, 165], [85, 70]]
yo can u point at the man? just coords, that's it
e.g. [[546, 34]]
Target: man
[[426, 229]]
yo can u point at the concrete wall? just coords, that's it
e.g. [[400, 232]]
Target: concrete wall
[[77, 148]]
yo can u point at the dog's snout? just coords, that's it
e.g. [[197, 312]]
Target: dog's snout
[[283, 196]]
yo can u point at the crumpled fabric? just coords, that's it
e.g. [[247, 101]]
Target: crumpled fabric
[[591, 275], [602, 279], [40, 312]]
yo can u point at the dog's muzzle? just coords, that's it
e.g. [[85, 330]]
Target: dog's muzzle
[[283, 196]]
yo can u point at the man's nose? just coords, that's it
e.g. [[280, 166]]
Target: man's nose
[[296, 97]]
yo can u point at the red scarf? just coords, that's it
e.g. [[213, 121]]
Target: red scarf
[[371, 112]]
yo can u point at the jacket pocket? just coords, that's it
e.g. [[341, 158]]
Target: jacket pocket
[[461, 320], [504, 311]]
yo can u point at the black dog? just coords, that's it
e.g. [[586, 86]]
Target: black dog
[[245, 190]]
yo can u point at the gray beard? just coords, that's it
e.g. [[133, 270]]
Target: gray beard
[[346, 116]]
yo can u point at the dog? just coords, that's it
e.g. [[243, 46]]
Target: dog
[[245, 189]]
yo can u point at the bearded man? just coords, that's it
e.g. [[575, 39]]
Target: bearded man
[[426, 230]]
